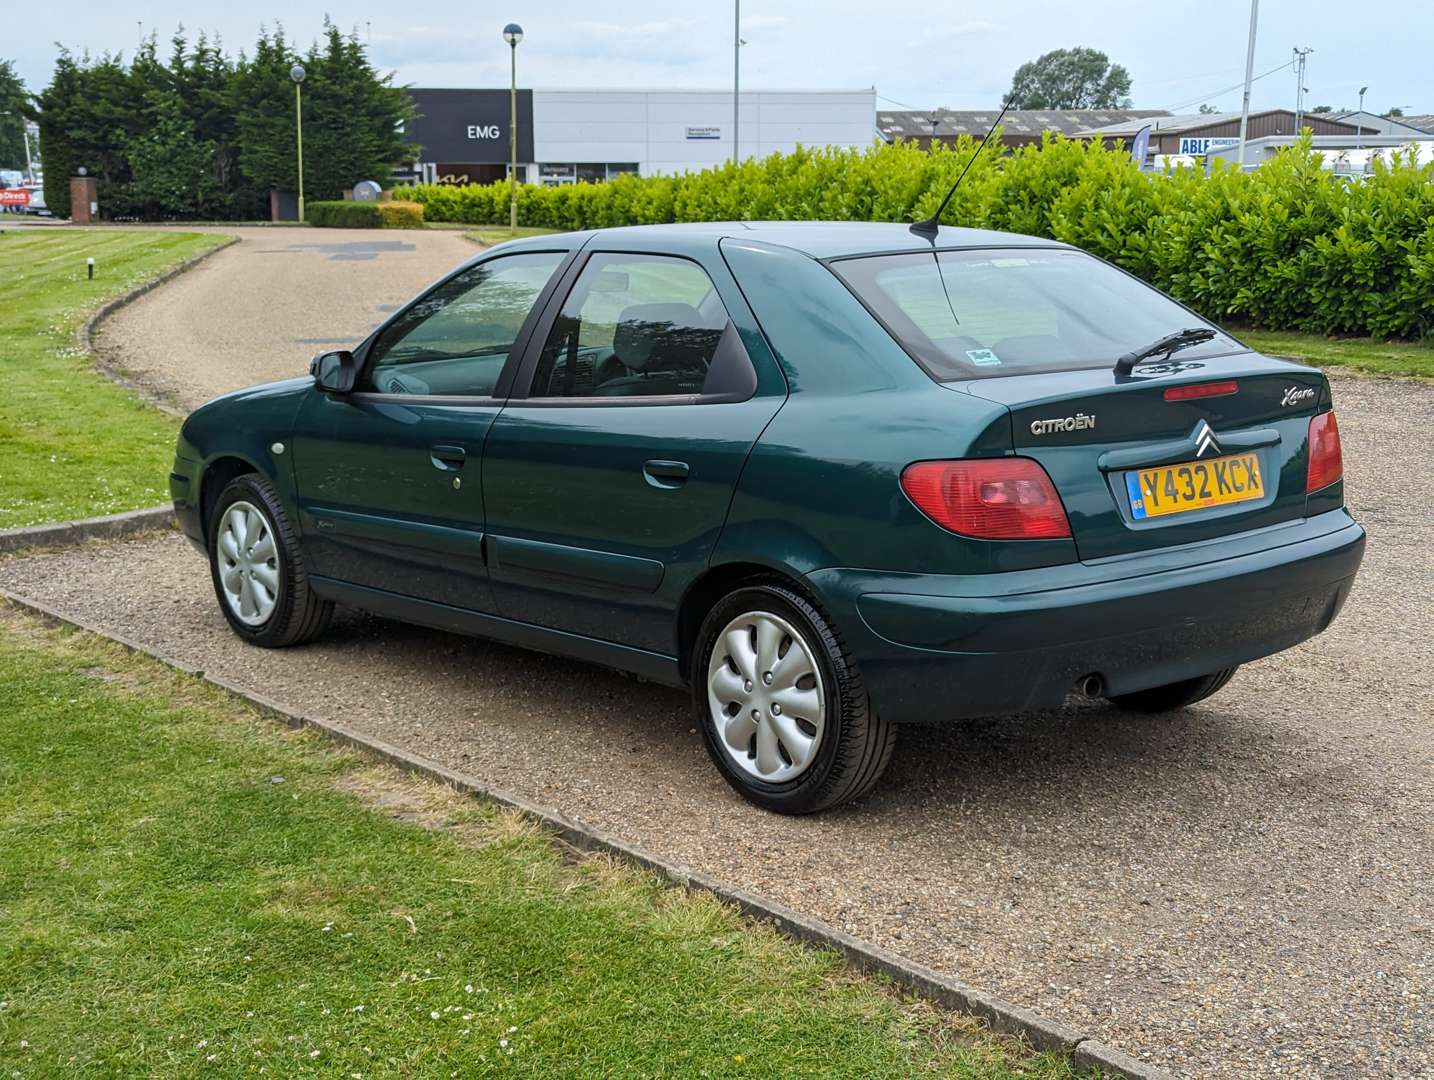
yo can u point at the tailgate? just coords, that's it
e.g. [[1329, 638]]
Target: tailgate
[[1139, 469]]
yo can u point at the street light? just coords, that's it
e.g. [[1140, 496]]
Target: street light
[[297, 74], [1359, 138], [512, 34]]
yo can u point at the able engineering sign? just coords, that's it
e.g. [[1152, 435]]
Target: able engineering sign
[[1200, 147]]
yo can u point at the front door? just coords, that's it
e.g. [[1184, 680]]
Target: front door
[[389, 477], [608, 483]]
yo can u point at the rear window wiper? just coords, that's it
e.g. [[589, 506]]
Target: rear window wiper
[[1181, 339]]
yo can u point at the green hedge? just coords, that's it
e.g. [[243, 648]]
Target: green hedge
[[342, 214], [1287, 246], [345, 214]]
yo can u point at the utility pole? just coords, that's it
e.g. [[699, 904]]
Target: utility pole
[[737, 44], [1300, 55], [1249, 73]]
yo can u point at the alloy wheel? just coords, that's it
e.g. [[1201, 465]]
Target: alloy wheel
[[766, 698], [248, 563]]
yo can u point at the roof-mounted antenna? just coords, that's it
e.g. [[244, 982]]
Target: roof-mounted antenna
[[929, 228]]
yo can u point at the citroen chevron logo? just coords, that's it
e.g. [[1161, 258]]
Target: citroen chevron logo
[[1204, 437]]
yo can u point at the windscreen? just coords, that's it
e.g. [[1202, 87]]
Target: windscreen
[[975, 314]]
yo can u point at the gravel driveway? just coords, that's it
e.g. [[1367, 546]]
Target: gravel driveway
[[261, 309], [1242, 889]]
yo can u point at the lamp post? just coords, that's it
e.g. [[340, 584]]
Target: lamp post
[[1359, 138], [512, 34], [297, 74]]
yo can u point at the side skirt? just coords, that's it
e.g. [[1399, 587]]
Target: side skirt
[[650, 665]]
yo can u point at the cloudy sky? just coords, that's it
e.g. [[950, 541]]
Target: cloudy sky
[[918, 52]]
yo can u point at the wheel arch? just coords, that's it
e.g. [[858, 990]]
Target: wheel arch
[[216, 476], [716, 582]]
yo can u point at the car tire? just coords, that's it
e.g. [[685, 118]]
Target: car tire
[[1176, 695], [764, 645], [258, 570]]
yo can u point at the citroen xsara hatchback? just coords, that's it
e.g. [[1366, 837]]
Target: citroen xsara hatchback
[[833, 478]]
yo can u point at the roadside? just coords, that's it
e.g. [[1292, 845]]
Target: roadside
[[72, 443], [1370, 356], [262, 309], [488, 235], [184, 886]]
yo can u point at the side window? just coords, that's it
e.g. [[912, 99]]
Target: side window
[[633, 326], [455, 340]]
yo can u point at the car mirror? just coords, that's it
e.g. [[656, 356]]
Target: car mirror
[[334, 372]]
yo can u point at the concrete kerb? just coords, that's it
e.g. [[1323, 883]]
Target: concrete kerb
[[1002, 1016], [69, 533], [84, 333]]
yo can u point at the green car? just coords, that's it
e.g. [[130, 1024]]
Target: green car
[[832, 478]]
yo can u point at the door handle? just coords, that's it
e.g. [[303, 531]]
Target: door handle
[[447, 458], [665, 474]]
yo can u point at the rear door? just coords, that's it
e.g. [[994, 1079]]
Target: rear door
[[609, 473]]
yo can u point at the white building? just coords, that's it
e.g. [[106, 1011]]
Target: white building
[[590, 134], [563, 136]]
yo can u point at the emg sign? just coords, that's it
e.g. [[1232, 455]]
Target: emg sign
[[470, 127], [1199, 147]]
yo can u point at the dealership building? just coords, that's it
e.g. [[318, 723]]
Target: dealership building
[[569, 135]]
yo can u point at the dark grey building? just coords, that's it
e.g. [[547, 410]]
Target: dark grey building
[[462, 136]]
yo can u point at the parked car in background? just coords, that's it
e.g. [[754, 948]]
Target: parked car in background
[[832, 478]]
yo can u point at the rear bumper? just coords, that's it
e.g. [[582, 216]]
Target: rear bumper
[[946, 647]]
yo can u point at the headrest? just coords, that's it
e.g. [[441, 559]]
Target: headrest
[[663, 337]]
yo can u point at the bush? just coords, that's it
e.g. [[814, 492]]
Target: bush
[[342, 214], [1287, 246], [400, 215], [348, 214]]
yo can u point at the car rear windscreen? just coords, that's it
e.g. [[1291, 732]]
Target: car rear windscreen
[[975, 314]]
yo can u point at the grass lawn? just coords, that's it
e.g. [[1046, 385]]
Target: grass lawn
[[72, 443], [1362, 354], [187, 889], [489, 235]]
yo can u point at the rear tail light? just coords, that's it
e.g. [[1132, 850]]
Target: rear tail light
[[1326, 459], [988, 498]]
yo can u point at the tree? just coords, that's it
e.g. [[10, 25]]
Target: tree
[[1396, 111], [1322, 109], [86, 115], [198, 134], [1207, 110], [14, 109], [352, 116], [1077, 78]]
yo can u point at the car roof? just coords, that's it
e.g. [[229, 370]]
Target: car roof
[[819, 239]]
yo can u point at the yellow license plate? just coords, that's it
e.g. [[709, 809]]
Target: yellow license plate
[[1194, 485]]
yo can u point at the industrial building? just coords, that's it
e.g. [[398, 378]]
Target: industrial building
[[1199, 134], [463, 136], [1019, 127]]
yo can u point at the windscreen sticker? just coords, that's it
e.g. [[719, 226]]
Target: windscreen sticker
[[983, 358]]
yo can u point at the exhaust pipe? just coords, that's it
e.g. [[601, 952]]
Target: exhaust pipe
[[1091, 686]]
